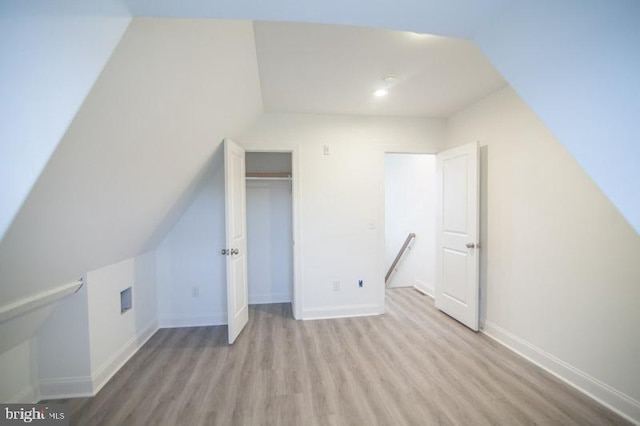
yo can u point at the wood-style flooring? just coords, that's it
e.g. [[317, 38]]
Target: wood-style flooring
[[411, 366]]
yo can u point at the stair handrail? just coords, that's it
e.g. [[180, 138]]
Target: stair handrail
[[404, 247]]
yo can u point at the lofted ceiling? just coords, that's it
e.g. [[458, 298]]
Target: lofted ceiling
[[334, 69]]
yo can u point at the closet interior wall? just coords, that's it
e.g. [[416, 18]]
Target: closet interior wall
[[269, 227]]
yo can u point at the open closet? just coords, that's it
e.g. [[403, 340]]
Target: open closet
[[269, 227]]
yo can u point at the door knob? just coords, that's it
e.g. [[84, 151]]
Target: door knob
[[235, 251], [470, 245]]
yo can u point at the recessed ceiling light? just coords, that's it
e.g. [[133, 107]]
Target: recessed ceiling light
[[389, 80], [381, 92]]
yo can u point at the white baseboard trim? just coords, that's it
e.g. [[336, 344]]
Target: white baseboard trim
[[111, 366], [423, 287], [342, 311], [617, 401], [263, 298], [85, 386], [69, 387], [399, 285], [176, 321], [28, 395]]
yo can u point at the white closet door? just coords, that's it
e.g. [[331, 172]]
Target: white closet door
[[236, 238]]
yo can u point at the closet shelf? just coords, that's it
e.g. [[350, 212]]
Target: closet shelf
[[268, 176]]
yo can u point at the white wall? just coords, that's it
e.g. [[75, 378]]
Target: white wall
[[341, 200], [51, 56], [17, 374], [115, 336], [409, 198], [268, 162], [64, 354], [145, 291], [269, 241], [341, 213], [87, 339], [190, 269], [560, 263]]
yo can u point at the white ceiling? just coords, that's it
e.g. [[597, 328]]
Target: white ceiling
[[333, 69], [456, 18], [327, 68]]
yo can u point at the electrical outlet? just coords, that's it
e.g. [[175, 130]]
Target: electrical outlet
[[336, 286], [195, 291]]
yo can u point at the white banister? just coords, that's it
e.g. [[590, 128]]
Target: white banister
[[32, 302]]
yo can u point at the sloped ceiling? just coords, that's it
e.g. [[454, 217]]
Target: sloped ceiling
[[51, 54], [575, 63], [169, 94]]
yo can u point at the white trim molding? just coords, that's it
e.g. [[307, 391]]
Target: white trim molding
[[424, 288], [87, 386], [263, 298], [342, 311], [38, 300], [68, 387], [176, 321], [114, 363], [617, 401], [28, 395]]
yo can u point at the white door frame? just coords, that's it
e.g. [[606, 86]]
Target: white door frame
[[392, 149], [297, 299]]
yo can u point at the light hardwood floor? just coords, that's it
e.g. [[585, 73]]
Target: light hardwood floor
[[411, 366]]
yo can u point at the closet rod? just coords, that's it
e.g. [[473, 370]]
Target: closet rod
[[268, 178], [269, 174]]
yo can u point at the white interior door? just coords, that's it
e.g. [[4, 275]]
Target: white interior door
[[236, 238], [457, 234]]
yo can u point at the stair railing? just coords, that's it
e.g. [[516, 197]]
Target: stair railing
[[407, 241]]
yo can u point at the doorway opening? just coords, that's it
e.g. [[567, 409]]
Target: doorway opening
[[269, 195], [410, 203]]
